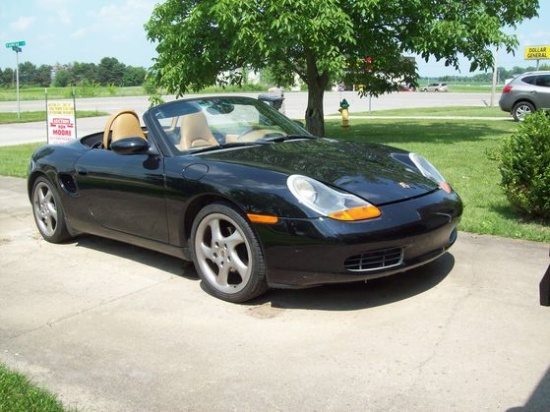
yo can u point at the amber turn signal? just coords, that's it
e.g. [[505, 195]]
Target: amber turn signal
[[357, 213], [266, 219]]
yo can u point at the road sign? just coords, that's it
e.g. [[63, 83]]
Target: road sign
[[15, 44], [537, 52]]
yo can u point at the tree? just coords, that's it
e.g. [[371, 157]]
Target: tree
[[84, 71], [27, 71], [110, 71], [363, 40], [7, 77], [42, 76], [133, 76], [62, 78]]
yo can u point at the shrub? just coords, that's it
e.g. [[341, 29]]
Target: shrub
[[112, 89], [87, 88], [525, 166]]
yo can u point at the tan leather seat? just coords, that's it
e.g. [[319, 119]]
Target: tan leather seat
[[195, 132], [120, 125]]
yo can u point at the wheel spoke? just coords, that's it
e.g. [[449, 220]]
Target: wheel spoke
[[233, 240], [41, 195], [240, 267], [50, 223], [215, 230], [207, 251], [223, 275], [48, 197], [52, 210]]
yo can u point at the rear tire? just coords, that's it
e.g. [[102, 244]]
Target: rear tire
[[521, 110], [48, 211], [227, 254]]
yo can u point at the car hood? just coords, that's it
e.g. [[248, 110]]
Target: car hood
[[366, 170]]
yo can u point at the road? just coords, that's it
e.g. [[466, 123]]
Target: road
[[294, 107]]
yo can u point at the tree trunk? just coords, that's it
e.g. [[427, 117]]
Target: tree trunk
[[316, 83], [315, 118]]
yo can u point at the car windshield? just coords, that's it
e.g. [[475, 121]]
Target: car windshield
[[220, 122]]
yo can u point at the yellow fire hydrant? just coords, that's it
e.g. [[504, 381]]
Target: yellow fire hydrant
[[344, 112]]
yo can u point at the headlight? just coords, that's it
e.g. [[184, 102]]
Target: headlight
[[428, 170], [329, 202]]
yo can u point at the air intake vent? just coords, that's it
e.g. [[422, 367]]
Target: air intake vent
[[67, 183], [375, 260]]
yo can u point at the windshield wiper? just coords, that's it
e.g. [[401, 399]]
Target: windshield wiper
[[279, 139]]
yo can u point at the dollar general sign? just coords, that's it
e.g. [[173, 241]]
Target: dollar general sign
[[537, 52]]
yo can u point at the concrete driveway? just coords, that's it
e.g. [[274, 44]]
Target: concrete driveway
[[112, 327]]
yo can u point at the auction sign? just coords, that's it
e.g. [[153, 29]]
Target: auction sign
[[537, 52], [61, 122]]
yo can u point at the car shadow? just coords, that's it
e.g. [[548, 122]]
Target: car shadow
[[138, 254], [539, 399], [361, 295], [337, 297]]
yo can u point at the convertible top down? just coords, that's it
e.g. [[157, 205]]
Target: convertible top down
[[248, 195]]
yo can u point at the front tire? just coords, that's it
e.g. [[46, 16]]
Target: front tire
[[227, 254], [48, 211], [521, 110]]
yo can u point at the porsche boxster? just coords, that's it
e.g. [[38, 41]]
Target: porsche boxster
[[247, 195]]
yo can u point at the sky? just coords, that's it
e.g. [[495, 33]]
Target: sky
[[66, 31]]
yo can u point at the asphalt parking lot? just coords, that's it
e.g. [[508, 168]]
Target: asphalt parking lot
[[111, 327]]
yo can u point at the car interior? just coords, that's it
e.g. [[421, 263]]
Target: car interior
[[120, 125]]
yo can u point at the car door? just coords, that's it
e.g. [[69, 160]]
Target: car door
[[124, 192], [543, 91]]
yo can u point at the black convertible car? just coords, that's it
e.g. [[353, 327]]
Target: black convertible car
[[248, 195]]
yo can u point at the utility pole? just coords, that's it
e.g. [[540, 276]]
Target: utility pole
[[495, 76]]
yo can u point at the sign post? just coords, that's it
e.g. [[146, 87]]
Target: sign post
[[16, 47]]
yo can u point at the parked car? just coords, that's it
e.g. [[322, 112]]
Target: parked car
[[247, 194], [436, 87], [525, 94]]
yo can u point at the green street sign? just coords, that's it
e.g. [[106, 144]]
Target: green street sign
[[15, 44]]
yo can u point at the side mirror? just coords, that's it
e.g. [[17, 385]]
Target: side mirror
[[130, 145]]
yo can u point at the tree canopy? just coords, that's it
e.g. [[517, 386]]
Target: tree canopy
[[109, 72], [361, 41]]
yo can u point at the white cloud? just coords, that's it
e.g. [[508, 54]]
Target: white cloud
[[541, 36], [63, 16], [22, 23], [79, 33]]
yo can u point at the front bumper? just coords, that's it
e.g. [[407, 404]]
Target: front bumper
[[310, 252]]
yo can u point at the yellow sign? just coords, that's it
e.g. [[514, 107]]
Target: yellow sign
[[537, 52]]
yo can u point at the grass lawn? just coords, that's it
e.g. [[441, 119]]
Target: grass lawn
[[37, 93], [14, 159], [26, 117], [458, 111], [17, 394]]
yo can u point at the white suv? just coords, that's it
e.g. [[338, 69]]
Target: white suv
[[526, 93], [436, 87]]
